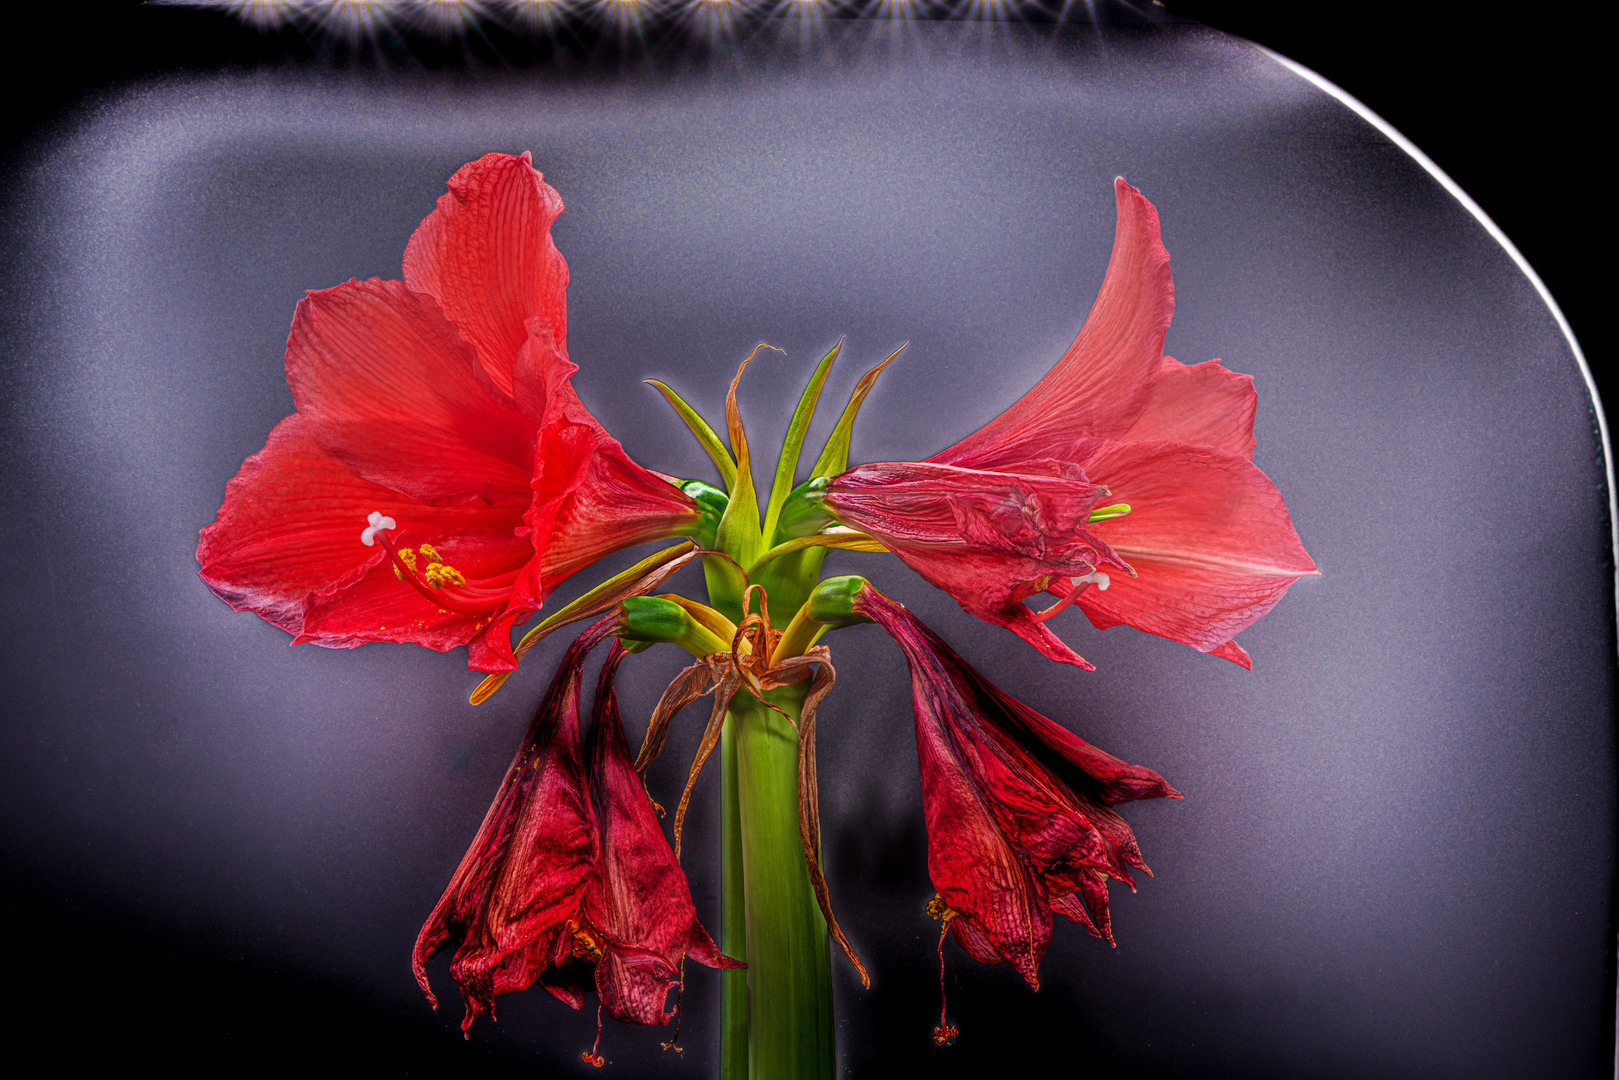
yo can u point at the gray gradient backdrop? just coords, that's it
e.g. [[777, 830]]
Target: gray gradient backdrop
[[1396, 852]]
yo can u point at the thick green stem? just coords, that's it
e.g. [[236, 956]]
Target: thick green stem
[[733, 921], [789, 981]]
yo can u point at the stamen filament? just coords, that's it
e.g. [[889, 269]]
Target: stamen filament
[[459, 599], [1080, 584]]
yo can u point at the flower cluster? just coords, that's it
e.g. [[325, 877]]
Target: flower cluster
[[440, 478]]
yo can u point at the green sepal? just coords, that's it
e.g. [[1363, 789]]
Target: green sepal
[[831, 603], [791, 448], [704, 434], [711, 504], [802, 513], [656, 620], [835, 457]]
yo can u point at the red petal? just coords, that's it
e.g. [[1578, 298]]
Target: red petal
[[1013, 801], [1203, 404], [590, 499], [639, 899], [374, 605], [290, 528], [1208, 535], [970, 861], [486, 255], [527, 871], [1105, 379], [917, 503], [1235, 653], [387, 386], [986, 538]]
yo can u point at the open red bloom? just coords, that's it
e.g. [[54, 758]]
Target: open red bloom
[[441, 406], [1207, 536], [1019, 810], [570, 882]]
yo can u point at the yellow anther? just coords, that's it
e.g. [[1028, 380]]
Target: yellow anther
[[408, 557], [432, 555], [938, 909], [585, 943], [439, 575]]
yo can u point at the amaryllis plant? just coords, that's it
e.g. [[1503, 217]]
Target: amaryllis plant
[[440, 478]]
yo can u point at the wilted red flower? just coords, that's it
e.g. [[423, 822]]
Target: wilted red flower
[[1207, 545], [436, 415], [570, 882], [989, 539], [1019, 810]]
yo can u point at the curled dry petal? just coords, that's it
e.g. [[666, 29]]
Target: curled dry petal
[[638, 905], [524, 878], [809, 798], [989, 539], [721, 673], [1018, 808], [570, 882]]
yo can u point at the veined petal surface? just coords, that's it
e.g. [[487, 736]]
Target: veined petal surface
[[1209, 535], [1017, 807], [288, 533], [1105, 379], [485, 254], [386, 384], [1203, 404]]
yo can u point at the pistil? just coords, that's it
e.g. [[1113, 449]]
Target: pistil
[[440, 584], [1080, 584]]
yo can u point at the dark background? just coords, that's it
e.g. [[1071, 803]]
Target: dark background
[[1506, 108], [1508, 104]]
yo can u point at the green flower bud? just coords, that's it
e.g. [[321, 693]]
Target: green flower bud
[[652, 619], [832, 601], [711, 504], [802, 514]]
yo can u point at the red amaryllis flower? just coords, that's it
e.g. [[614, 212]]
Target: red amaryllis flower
[[435, 414], [569, 882], [1019, 810], [1207, 545]]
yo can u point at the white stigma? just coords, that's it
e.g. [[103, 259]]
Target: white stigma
[[1099, 579], [378, 522]]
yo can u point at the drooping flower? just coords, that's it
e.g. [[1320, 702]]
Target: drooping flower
[[1019, 810], [439, 410], [639, 905], [570, 882], [1206, 543], [518, 894]]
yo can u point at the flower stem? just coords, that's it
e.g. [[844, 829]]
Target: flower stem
[[733, 920], [789, 1003]]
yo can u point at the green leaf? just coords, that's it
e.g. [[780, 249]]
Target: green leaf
[[787, 464], [845, 539], [738, 535], [706, 438], [835, 458]]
